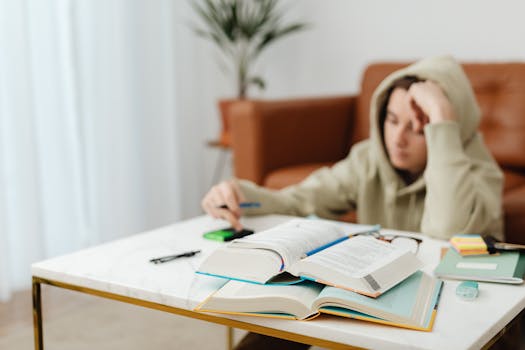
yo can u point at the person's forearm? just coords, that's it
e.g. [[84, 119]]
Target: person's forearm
[[326, 193], [271, 201]]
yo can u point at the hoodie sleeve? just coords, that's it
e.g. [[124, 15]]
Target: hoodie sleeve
[[327, 192], [464, 185]]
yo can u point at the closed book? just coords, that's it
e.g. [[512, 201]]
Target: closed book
[[318, 250], [503, 267], [410, 304]]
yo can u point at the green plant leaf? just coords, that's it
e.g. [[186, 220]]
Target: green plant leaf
[[258, 81], [275, 34], [207, 16], [242, 29]]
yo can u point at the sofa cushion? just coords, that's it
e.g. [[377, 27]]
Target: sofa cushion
[[500, 92]]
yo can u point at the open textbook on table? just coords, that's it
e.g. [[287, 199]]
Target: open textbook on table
[[318, 250], [410, 304]]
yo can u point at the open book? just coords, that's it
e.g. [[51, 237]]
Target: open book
[[410, 304], [318, 250]]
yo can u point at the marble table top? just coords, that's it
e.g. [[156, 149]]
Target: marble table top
[[122, 267]]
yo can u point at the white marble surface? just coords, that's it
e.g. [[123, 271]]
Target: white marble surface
[[122, 267]]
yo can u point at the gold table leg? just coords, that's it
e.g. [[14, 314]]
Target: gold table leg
[[37, 315], [230, 338]]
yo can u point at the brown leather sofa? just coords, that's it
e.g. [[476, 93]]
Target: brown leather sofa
[[278, 143]]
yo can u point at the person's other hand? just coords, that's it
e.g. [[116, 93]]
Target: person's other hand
[[225, 193], [430, 103]]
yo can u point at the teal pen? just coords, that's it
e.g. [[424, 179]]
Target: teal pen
[[243, 205]]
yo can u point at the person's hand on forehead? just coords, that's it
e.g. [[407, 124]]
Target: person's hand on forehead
[[420, 119], [430, 104]]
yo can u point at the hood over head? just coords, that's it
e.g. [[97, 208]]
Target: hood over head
[[448, 74]]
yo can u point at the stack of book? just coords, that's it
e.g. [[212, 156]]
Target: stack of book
[[304, 267]]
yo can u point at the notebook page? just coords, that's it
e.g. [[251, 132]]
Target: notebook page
[[293, 238]]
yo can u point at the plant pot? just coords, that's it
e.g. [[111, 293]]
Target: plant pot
[[224, 108]]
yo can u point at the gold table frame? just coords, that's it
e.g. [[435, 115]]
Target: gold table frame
[[39, 336]]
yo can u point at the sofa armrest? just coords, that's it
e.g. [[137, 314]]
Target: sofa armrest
[[268, 135]]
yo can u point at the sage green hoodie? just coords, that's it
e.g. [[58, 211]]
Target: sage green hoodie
[[459, 192]]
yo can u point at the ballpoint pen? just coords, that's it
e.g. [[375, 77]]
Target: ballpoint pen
[[243, 205], [164, 259]]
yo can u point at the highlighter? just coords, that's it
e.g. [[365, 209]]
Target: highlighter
[[226, 234]]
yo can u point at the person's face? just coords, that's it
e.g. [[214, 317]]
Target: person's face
[[406, 147]]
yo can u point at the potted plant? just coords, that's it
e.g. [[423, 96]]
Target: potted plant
[[241, 29]]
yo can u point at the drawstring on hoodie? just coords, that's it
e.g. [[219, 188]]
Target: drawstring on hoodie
[[391, 198]]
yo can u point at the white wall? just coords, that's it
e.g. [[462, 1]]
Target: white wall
[[348, 34], [199, 84]]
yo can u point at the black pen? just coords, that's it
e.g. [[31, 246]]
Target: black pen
[[164, 259]]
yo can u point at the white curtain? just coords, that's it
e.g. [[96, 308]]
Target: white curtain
[[89, 128]]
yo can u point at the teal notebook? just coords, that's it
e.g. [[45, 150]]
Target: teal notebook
[[505, 267]]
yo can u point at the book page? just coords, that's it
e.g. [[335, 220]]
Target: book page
[[242, 297], [408, 302], [293, 239], [356, 257]]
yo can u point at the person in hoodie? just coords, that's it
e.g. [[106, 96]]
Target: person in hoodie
[[424, 168]]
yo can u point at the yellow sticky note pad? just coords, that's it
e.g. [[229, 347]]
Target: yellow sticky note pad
[[469, 244]]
